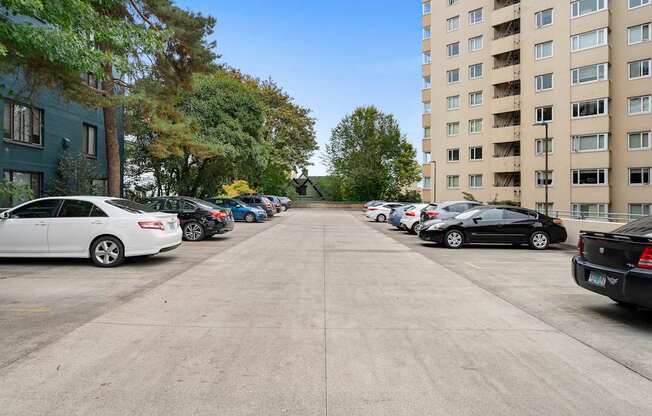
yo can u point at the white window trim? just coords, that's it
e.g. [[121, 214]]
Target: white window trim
[[606, 109], [642, 41], [552, 14], [639, 6], [448, 182], [481, 101], [427, 35], [606, 177], [476, 132], [476, 160], [649, 97], [544, 121], [648, 60], [468, 43], [459, 24], [606, 142], [476, 77], [551, 144], [606, 7], [423, 8], [458, 129], [552, 50], [458, 76], [629, 178], [459, 103], [536, 89], [551, 178], [459, 50], [606, 74], [459, 156], [479, 22], [475, 175], [640, 149], [599, 45]]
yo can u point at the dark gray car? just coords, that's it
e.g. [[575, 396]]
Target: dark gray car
[[446, 210]]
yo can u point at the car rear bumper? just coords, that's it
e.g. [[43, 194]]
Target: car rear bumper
[[218, 227], [631, 286], [154, 242]]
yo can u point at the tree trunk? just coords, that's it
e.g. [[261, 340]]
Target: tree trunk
[[113, 165]]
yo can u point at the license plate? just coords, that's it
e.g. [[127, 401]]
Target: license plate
[[172, 225], [598, 279]]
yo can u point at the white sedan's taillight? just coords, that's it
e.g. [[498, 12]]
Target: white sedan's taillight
[[151, 225]]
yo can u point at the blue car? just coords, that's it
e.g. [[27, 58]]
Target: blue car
[[240, 210], [396, 213]]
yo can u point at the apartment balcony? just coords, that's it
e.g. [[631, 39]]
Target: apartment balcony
[[507, 179], [506, 193], [509, 28], [509, 58], [590, 125], [506, 104], [427, 195], [505, 134], [504, 12], [426, 145], [588, 160], [426, 95], [425, 45], [506, 74], [426, 120], [426, 170], [506, 44], [426, 20], [506, 164], [426, 69]]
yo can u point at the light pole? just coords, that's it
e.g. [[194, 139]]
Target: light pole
[[546, 149]]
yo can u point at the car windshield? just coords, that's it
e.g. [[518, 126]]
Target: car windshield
[[204, 204], [409, 208], [467, 214], [129, 206]]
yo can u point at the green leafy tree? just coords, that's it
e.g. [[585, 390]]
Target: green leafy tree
[[13, 193], [75, 175], [370, 157]]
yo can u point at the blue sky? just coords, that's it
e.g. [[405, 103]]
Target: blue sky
[[331, 55]]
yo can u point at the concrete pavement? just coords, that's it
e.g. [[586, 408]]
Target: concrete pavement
[[318, 314]]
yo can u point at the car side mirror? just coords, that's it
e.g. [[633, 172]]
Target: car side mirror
[[475, 220], [5, 215]]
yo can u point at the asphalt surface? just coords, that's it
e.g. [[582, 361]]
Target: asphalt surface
[[318, 313]]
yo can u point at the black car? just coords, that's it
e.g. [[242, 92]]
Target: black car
[[495, 224], [617, 264], [199, 219]]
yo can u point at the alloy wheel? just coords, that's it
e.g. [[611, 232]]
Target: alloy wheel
[[107, 252], [540, 241], [249, 217], [417, 228], [193, 231], [454, 239]]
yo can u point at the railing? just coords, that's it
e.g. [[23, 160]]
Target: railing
[[596, 216]]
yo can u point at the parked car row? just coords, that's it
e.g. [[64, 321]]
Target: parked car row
[[107, 230], [455, 224]]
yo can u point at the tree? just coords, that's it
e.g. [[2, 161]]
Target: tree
[[237, 188], [370, 157], [74, 176]]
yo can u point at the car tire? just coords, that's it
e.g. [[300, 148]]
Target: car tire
[[416, 227], [454, 239], [193, 231], [250, 217], [284, 208], [381, 218], [107, 251], [539, 240]]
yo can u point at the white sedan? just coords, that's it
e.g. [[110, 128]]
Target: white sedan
[[380, 213], [410, 219], [104, 229]]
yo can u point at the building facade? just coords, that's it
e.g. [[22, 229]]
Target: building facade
[[39, 127], [496, 71]]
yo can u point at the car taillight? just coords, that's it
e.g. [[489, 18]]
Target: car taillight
[[580, 246], [432, 214], [645, 261], [410, 214], [151, 225], [372, 209], [558, 221], [218, 215]]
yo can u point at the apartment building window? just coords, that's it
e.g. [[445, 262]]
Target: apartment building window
[[426, 132], [453, 181], [639, 210], [475, 98], [590, 39], [453, 76], [427, 182], [590, 210], [427, 107], [453, 128], [638, 34], [427, 32], [89, 140], [541, 147], [475, 181], [639, 176], [639, 69], [426, 8], [475, 43], [475, 153], [22, 124], [542, 178], [638, 140], [475, 125], [590, 177], [543, 50], [32, 180], [427, 58], [453, 102], [452, 2], [543, 18], [639, 105], [543, 114], [590, 143], [452, 23], [581, 8], [589, 73], [475, 71], [475, 16], [543, 82], [427, 82], [427, 158], [453, 155], [453, 49], [638, 3], [541, 207], [590, 108]]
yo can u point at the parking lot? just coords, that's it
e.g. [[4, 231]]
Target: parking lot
[[319, 312]]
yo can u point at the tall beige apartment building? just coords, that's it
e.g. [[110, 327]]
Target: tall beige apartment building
[[495, 70]]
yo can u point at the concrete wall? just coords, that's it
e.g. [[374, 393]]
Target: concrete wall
[[573, 227], [329, 205]]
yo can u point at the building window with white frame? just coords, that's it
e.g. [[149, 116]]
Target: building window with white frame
[[452, 23], [22, 124], [453, 181], [588, 40], [541, 207], [543, 114], [639, 176], [427, 107], [638, 211], [427, 8], [475, 71], [543, 50], [638, 105], [30, 180], [453, 76], [542, 178], [633, 4], [475, 181], [453, 102], [581, 8], [89, 143], [427, 158], [638, 140], [638, 34], [590, 143], [475, 98], [541, 147], [453, 155], [453, 49], [476, 16], [452, 2], [427, 82], [543, 18], [543, 82], [639, 69], [590, 73], [427, 58], [427, 32], [427, 183], [475, 125], [426, 132], [590, 177], [589, 210], [475, 43], [475, 153], [453, 128], [590, 108]]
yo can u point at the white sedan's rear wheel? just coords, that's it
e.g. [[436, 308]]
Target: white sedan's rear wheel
[[381, 218], [107, 252]]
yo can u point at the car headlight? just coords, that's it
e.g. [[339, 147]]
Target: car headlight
[[436, 226]]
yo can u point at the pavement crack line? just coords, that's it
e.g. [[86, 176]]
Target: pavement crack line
[[506, 300]]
